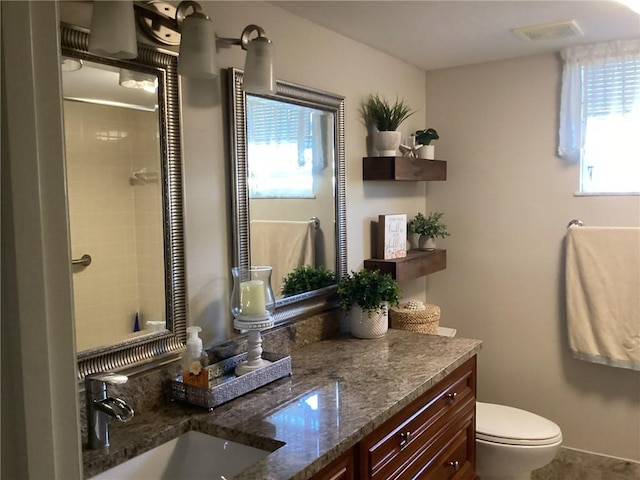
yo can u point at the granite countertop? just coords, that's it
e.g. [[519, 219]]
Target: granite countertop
[[355, 384]]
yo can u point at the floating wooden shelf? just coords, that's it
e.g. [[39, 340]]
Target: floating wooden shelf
[[416, 264], [403, 169]]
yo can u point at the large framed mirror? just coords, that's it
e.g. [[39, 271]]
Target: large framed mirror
[[288, 185], [125, 204]]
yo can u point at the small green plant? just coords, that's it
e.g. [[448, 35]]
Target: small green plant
[[430, 226], [385, 117], [424, 137], [306, 279], [368, 289]]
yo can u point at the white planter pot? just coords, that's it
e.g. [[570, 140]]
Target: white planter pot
[[427, 243], [387, 143], [369, 325], [427, 152]]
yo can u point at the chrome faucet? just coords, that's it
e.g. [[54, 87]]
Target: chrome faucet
[[100, 407]]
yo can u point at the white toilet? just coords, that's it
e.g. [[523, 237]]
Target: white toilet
[[511, 443]]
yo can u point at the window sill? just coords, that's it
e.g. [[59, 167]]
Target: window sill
[[606, 194]]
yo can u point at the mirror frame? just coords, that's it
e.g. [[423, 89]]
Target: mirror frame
[[156, 346], [309, 302]]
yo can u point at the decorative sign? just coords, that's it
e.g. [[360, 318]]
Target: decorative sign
[[392, 236]]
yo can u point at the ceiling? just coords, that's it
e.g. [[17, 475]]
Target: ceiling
[[439, 34]]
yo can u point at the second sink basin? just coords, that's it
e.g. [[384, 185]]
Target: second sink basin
[[192, 455]]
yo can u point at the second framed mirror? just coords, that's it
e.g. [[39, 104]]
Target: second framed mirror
[[289, 191]]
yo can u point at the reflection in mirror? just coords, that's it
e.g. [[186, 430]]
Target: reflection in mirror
[[289, 186], [291, 181], [124, 190], [115, 203]]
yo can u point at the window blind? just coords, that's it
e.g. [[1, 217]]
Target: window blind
[[611, 88], [277, 122]]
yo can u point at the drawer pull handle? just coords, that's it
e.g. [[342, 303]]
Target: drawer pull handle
[[455, 464], [452, 396], [405, 438]]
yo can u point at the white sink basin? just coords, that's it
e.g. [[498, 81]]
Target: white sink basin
[[193, 455]]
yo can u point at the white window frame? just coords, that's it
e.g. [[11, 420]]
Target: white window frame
[[587, 71]]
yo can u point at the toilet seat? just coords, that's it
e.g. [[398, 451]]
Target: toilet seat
[[512, 426]]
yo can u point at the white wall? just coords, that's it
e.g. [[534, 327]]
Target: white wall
[[507, 201]]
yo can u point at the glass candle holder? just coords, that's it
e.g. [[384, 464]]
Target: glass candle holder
[[252, 297]]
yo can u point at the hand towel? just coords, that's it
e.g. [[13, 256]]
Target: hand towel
[[284, 245], [603, 294]]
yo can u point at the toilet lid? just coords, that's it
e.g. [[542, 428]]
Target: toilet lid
[[512, 426]]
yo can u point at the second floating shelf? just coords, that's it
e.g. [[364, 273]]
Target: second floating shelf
[[416, 264]]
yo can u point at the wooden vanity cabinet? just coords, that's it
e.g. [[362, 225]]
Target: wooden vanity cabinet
[[433, 438], [342, 468]]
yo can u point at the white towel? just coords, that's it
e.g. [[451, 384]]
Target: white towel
[[603, 295], [282, 245]]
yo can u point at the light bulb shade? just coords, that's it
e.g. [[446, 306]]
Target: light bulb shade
[[258, 67], [70, 64], [197, 48], [113, 29], [143, 81], [252, 297]]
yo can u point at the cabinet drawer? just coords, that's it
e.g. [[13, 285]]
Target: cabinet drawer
[[404, 436], [451, 456]]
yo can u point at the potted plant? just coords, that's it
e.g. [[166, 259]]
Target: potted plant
[[386, 118], [366, 295], [429, 228], [307, 279], [424, 138]]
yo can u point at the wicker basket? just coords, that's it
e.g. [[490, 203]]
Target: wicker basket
[[420, 321]]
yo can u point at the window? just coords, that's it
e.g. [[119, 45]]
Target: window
[[600, 115], [280, 148]]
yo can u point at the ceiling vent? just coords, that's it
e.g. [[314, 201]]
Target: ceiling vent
[[549, 31]]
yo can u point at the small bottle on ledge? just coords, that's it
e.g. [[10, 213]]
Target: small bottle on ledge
[[195, 360]]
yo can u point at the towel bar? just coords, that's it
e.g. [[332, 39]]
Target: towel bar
[[85, 260]]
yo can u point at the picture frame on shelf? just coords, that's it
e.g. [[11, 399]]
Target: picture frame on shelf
[[392, 236]]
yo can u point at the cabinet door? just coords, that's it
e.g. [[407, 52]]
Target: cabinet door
[[342, 468]]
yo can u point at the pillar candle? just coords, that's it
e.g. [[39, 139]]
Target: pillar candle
[[252, 297]]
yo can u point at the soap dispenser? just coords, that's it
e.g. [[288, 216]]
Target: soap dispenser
[[194, 360]]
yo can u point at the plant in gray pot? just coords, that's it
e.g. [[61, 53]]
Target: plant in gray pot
[[429, 228], [366, 296], [386, 118], [424, 139]]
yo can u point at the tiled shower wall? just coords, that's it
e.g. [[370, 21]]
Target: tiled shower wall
[[116, 222]]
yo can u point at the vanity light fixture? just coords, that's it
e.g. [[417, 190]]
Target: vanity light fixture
[[188, 26], [113, 29]]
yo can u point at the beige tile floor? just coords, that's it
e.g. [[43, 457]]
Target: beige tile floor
[[577, 465]]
